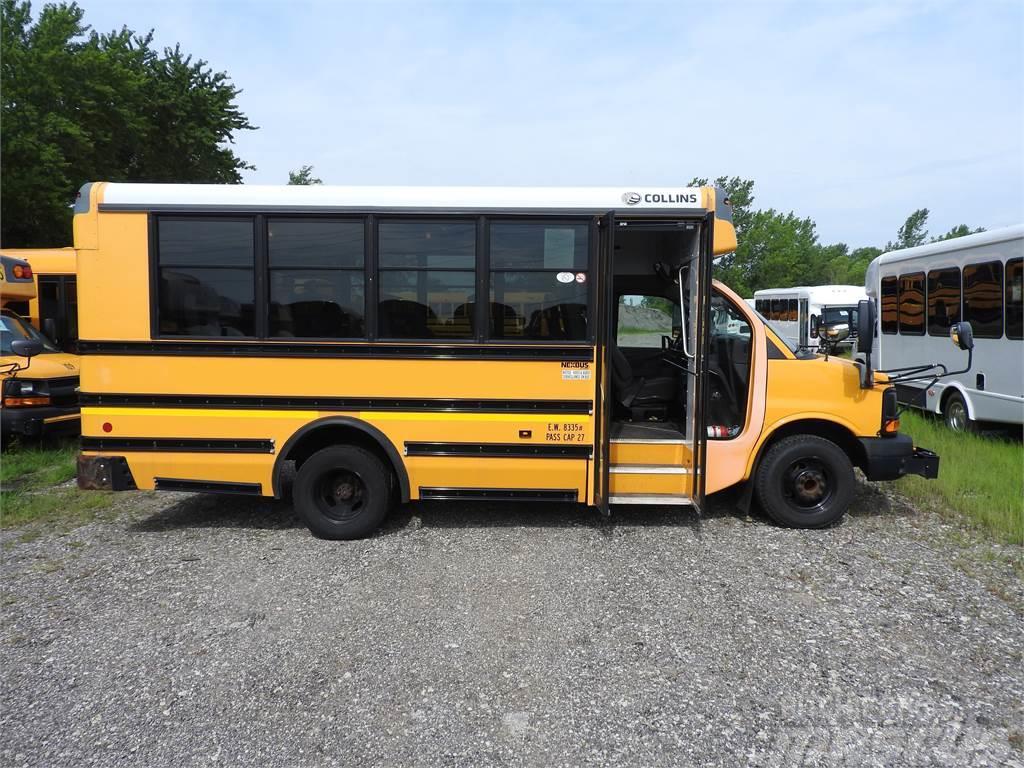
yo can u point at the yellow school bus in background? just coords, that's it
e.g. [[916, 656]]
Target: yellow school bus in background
[[401, 344], [54, 307], [38, 382]]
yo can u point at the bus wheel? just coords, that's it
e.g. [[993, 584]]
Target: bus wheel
[[805, 481], [342, 492], [955, 414]]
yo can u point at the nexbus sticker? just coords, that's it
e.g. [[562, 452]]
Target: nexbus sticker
[[575, 371]]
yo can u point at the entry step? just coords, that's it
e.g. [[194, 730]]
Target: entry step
[[651, 452], [653, 499], [648, 469]]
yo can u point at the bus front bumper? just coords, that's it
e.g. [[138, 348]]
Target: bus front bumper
[[890, 458], [40, 420]]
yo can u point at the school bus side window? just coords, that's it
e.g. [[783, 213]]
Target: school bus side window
[[538, 281], [427, 279], [316, 278], [206, 285]]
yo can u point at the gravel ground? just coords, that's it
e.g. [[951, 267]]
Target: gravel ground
[[195, 631]]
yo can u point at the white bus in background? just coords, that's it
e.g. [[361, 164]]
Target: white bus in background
[[921, 291], [796, 313]]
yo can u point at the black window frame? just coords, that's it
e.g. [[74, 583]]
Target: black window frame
[[371, 219], [999, 273], [354, 218], [378, 272], [924, 303], [548, 220], [260, 308], [895, 327]]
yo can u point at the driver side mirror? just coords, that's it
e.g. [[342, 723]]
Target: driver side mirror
[[815, 327], [865, 326], [962, 335], [28, 348], [833, 332]]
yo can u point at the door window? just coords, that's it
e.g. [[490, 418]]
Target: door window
[[644, 320]]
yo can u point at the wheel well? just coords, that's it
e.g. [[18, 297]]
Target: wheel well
[[341, 430], [829, 430], [947, 393]]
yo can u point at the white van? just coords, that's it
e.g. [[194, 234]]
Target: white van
[[921, 291], [797, 313]]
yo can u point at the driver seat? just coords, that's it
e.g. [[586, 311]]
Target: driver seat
[[645, 398]]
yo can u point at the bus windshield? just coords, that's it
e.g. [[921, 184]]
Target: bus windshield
[[833, 315], [14, 328]]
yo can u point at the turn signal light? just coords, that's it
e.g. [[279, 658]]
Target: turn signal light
[[25, 402], [891, 427]]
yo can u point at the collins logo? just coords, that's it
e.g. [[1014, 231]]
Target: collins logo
[[631, 198]]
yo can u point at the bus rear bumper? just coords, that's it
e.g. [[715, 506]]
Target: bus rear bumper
[[104, 473], [890, 458]]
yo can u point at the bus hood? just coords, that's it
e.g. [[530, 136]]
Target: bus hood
[[49, 365]]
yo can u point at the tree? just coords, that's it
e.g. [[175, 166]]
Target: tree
[[913, 231], [958, 231], [303, 176], [80, 106]]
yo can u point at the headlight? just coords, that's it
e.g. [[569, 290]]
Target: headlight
[[22, 393]]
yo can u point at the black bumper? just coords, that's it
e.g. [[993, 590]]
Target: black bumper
[[890, 458], [40, 420], [104, 473]]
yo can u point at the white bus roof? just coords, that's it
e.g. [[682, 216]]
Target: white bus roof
[[238, 196], [1015, 232], [818, 293]]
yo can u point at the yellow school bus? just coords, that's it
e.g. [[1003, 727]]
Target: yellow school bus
[[405, 344], [39, 383], [53, 309]]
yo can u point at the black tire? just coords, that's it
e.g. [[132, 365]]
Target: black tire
[[805, 481], [342, 492], [956, 415]]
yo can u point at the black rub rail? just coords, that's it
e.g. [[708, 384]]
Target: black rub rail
[[274, 402]]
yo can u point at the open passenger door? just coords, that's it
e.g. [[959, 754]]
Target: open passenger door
[[691, 275]]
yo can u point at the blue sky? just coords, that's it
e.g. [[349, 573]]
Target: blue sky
[[851, 113]]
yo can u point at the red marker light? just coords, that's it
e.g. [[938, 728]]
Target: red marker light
[[108, 427]]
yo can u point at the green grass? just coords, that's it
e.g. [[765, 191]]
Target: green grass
[[981, 478], [31, 486]]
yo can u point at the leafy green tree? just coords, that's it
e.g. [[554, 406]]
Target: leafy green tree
[[304, 176], [958, 231], [81, 106], [914, 231]]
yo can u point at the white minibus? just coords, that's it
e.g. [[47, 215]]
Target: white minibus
[[798, 312]]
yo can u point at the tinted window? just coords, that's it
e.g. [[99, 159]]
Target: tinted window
[[539, 246], [777, 310], [426, 304], [316, 278], [315, 243], [890, 316], [983, 299], [793, 314], [912, 304], [536, 305], [427, 244], [538, 282], [943, 300], [201, 242], [206, 277], [317, 303], [199, 301], [643, 320], [1015, 299]]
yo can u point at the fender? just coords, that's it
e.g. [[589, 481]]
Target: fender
[[344, 421], [769, 430]]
